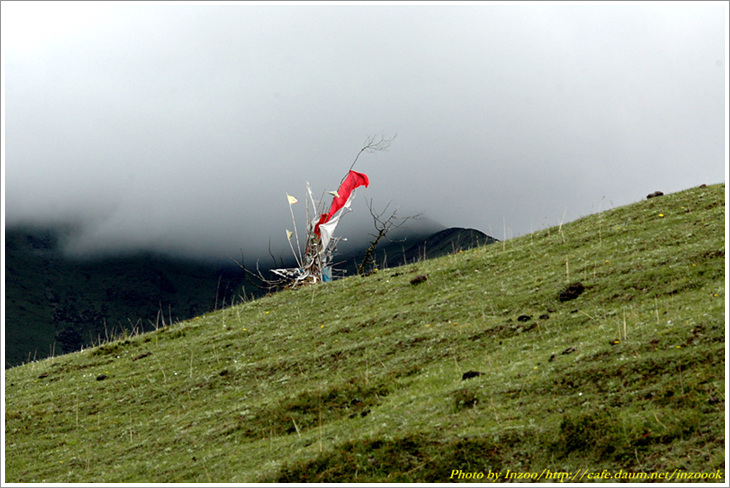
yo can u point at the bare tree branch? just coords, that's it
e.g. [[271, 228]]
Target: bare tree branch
[[372, 144], [383, 226]]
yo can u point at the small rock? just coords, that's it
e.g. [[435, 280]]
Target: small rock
[[571, 292], [568, 351], [655, 194], [470, 374], [544, 316], [419, 279], [523, 318], [101, 377], [552, 358]]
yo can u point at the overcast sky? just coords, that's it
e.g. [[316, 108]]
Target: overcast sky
[[181, 127]]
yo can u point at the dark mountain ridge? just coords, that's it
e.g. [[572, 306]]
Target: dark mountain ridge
[[411, 248], [447, 241]]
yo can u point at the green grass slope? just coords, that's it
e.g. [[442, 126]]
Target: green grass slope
[[361, 380]]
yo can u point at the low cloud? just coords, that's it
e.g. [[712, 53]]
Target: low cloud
[[180, 128]]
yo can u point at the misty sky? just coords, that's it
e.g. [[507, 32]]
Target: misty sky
[[181, 127]]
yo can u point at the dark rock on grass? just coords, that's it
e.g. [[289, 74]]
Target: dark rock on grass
[[470, 374], [524, 318], [571, 292], [655, 194], [419, 279], [101, 377], [568, 351]]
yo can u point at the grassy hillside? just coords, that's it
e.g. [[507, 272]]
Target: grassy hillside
[[363, 379]]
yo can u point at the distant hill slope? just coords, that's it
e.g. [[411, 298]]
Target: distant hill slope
[[441, 243], [590, 352], [411, 248], [56, 305]]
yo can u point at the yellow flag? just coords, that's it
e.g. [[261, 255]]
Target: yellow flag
[[292, 200], [289, 234]]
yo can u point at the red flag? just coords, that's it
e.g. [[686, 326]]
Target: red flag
[[352, 181]]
